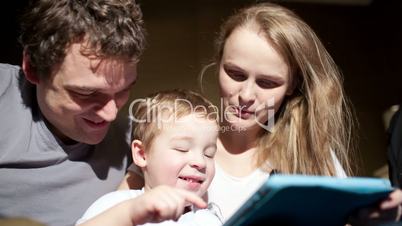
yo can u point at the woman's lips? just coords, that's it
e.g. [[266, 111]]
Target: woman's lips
[[243, 113]]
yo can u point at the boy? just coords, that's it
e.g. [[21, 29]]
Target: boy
[[174, 142]]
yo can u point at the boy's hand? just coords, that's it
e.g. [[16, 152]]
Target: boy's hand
[[163, 203], [159, 204], [389, 210]]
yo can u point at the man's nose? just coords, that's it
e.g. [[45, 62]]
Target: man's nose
[[109, 111]]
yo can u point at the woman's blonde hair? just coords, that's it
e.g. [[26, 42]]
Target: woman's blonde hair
[[315, 119], [166, 106]]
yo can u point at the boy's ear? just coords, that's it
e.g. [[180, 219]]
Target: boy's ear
[[27, 69], [138, 153]]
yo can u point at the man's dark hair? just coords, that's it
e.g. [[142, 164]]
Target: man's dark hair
[[110, 29]]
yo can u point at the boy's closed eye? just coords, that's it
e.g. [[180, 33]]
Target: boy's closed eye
[[210, 152], [182, 145], [181, 149]]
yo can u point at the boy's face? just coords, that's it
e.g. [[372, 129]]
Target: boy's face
[[82, 96], [182, 155]]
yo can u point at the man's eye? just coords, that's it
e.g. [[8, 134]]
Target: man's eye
[[123, 92], [82, 94]]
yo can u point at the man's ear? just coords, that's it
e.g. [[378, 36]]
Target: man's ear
[[138, 153], [26, 67]]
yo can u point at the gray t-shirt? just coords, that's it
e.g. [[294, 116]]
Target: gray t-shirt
[[41, 178]]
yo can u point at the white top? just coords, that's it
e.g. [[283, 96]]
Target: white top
[[229, 192], [197, 217]]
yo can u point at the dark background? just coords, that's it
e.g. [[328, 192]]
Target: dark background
[[365, 41]]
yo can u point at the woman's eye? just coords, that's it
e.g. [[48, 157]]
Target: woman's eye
[[236, 75], [266, 84]]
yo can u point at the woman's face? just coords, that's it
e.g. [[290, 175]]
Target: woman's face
[[253, 79]]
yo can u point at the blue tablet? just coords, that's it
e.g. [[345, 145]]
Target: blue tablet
[[299, 200]]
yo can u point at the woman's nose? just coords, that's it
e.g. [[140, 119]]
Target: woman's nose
[[247, 93]]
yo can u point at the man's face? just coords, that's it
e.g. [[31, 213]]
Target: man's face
[[83, 95]]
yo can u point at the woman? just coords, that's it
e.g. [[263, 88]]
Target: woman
[[269, 59], [284, 106]]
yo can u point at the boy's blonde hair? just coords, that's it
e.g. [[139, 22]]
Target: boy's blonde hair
[[152, 111]]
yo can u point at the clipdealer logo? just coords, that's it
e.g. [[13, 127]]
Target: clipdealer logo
[[165, 114]]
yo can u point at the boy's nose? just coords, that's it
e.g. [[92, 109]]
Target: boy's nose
[[198, 162]]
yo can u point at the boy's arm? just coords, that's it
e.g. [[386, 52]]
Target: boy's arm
[[159, 204]]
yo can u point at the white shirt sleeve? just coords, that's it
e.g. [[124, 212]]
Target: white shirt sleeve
[[201, 217], [106, 202]]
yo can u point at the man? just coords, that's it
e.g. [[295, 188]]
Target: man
[[59, 150]]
